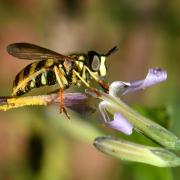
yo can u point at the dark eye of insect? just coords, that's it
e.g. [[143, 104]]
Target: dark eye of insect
[[95, 63]]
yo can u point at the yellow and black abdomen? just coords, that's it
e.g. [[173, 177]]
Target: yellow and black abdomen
[[35, 75]]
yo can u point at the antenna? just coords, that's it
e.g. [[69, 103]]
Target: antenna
[[112, 51]]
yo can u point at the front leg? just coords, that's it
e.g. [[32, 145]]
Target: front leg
[[103, 84], [76, 74]]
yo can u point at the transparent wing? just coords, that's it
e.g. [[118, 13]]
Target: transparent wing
[[33, 52]]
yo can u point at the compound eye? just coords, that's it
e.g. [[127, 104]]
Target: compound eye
[[95, 63]]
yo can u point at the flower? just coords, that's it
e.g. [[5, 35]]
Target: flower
[[125, 119], [154, 76], [117, 88], [111, 104], [119, 122]]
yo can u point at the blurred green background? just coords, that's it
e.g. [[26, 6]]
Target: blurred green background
[[37, 142]]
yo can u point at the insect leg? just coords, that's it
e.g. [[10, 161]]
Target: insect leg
[[103, 84], [59, 77], [81, 78], [83, 81]]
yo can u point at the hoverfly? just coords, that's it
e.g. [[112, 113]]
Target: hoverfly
[[52, 68]]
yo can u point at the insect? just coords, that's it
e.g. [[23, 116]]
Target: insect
[[52, 68]]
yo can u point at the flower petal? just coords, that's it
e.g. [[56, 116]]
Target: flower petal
[[102, 109], [117, 88], [121, 124], [154, 76]]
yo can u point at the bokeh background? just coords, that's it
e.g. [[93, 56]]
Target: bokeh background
[[37, 142]]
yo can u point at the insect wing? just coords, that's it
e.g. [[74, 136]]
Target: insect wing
[[33, 52]]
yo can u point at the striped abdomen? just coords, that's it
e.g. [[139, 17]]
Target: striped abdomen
[[35, 75]]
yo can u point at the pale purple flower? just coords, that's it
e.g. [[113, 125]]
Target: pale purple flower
[[121, 124], [154, 76], [118, 88]]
